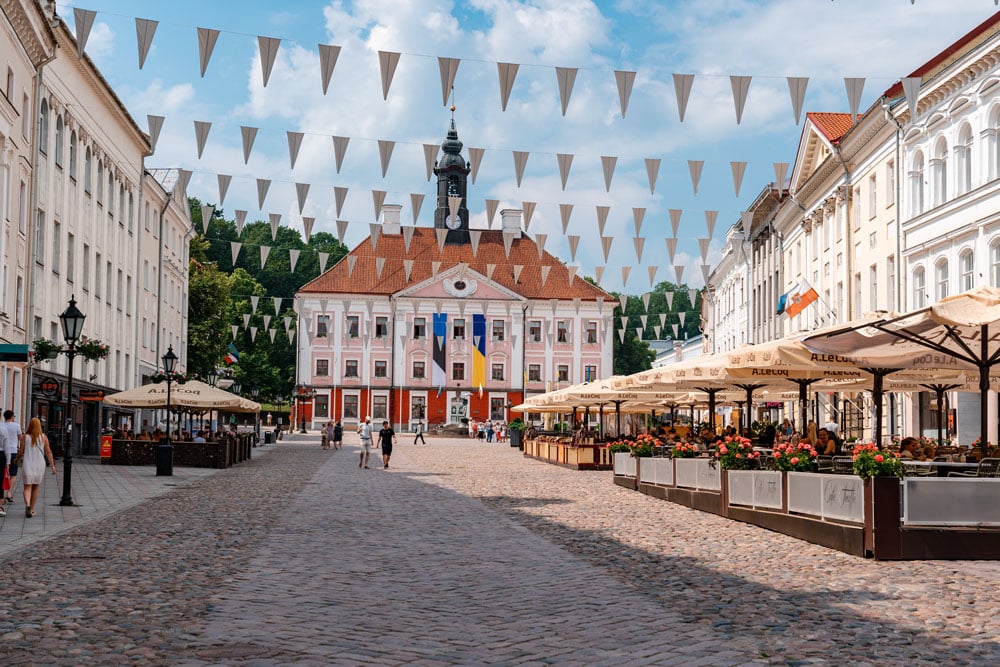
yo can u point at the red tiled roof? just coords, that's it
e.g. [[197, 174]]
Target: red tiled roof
[[424, 250], [833, 125], [984, 30]]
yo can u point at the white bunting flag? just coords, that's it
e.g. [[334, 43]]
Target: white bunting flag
[[565, 77], [671, 248], [682, 89], [387, 63], [780, 170], [507, 73], [265, 250], [739, 168], [378, 199], [236, 330], [448, 68], [271, 332], [710, 218], [606, 242], [855, 88], [663, 316], [491, 211], [565, 210], [328, 55], [224, 180], [571, 272], [339, 151], [277, 304], [639, 243], [249, 136], [490, 269], [207, 37], [706, 271], [679, 273], [83, 19], [652, 171], [508, 240], [520, 161], [183, 178], [797, 89], [288, 323], [254, 301], [416, 201], [741, 87], [669, 296], [246, 320], [341, 229], [675, 219], [656, 330], [442, 235], [294, 144], [379, 265], [676, 330], [602, 218], [540, 243], [207, 211], [692, 296], [293, 259], [911, 89], [155, 124], [638, 215], [565, 161], [703, 247], [144, 31], [645, 320], [339, 197], [626, 270], [407, 268], [545, 274], [301, 192], [454, 203], [407, 237], [274, 220], [430, 157], [528, 208], [253, 334], [268, 52], [475, 159], [352, 260], [474, 236], [599, 273], [621, 335], [374, 228], [201, 129], [241, 217], [625, 80], [323, 259], [385, 154], [683, 315], [695, 167], [652, 273], [435, 267], [235, 247], [608, 163], [263, 185], [623, 302]]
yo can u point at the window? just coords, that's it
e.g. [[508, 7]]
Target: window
[[993, 136], [590, 373], [100, 181], [145, 339], [995, 265], [381, 327], [562, 373], [380, 369], [40, 237], [22, 210], [43, 127], [322, 326], [418, 370], [963, 161], [592, 332], [70, 257], [147, 217], [60, 137], [380, 407], [353, 323], [497, 373], [145, 273], [872, 196], [322, 368], [562, 331], [458, 371], [497, 408], [121, 205], [121, 290], [418, 407], [419, 328], [351, 368], [890, 183], [498, 329], [107, 285], [939, 172], [917, 185], [350, 406], [919, 288], [128, 296], [72, 154], [535, 331], [25, 117], [88, 167], [458, 329], [131, 211], [86, 266], [941, 279], [56, 247], [534, 373], [9, 90], [322, 403], [19, 300], [873, 287], [966, 268]]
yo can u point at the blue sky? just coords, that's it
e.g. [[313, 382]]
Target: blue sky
[[712, 39]]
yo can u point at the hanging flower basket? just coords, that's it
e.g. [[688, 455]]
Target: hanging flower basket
[[43, 349], [175, 378]]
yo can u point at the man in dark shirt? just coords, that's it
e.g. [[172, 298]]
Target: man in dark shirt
[[386, 439]]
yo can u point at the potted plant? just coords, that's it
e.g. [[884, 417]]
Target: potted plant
[[870, 461], [794, 457], [684, 450], [735, 453], [516, 430]]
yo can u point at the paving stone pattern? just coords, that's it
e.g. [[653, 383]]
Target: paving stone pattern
[[464, 554]]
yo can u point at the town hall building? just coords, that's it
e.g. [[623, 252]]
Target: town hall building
[[446, 324]]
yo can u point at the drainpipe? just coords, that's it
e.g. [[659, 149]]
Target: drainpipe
[[524, 352], [159, 279], [392, 364], [899, 232]]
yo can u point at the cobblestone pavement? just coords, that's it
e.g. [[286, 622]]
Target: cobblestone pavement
[[466, 553]]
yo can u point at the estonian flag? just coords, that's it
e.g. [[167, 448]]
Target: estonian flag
[[795, 300]]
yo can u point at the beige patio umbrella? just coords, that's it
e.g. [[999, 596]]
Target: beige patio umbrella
[[191, 394], [958, 332]]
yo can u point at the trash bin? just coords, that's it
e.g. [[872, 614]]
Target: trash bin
[[268, 437]]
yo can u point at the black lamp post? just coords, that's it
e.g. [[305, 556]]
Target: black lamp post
[[213, 377], [304, 395], [72, 326], [255, 392], [236, 388], [164, 449]]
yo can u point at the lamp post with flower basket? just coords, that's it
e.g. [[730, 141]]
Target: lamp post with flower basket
[[303, 395], [165, 449]]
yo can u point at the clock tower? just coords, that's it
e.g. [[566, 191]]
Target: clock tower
[[452, 172]]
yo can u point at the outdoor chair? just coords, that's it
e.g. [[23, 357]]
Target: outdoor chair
[[843, 465], [987, 468], [918, 469]]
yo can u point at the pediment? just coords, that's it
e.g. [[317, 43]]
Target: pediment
[[459, 282], [814, 149]]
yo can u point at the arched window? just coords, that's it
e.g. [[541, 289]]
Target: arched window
[[995, 264], [941, 280], [917, 185], [939, 172], [963, 160], [72, 154], [43, 127], [59, 140], [88, 163], [919, 288], [966, 271], [100, 181]]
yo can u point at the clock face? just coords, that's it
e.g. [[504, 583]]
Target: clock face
[[453, 222]]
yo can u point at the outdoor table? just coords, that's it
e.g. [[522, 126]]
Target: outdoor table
[[942, 467]]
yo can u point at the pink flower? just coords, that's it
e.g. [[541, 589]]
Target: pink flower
[[724, 449], [795, 460], [879, 458]]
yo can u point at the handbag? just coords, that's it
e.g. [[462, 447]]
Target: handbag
[[6, 479]]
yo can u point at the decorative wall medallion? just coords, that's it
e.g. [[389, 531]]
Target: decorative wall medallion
[[460, 287]]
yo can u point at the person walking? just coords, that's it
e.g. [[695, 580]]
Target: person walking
[[386, 439], [419, 433], [489, 431], [365, 433], [338, 436], [32, 455], [10, 439], [327, 435]]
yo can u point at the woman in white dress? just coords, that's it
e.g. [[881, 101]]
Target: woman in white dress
[[33, 454]]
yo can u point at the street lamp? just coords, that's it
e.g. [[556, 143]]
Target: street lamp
[[213, 377], [237, 387], [255, 392], [72, 325], [304, 394], [164, 449]]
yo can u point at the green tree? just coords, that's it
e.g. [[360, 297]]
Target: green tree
[[632, 355], [208, 307]]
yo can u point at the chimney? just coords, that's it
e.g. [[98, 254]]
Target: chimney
[[390, 219], [511, 220]]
